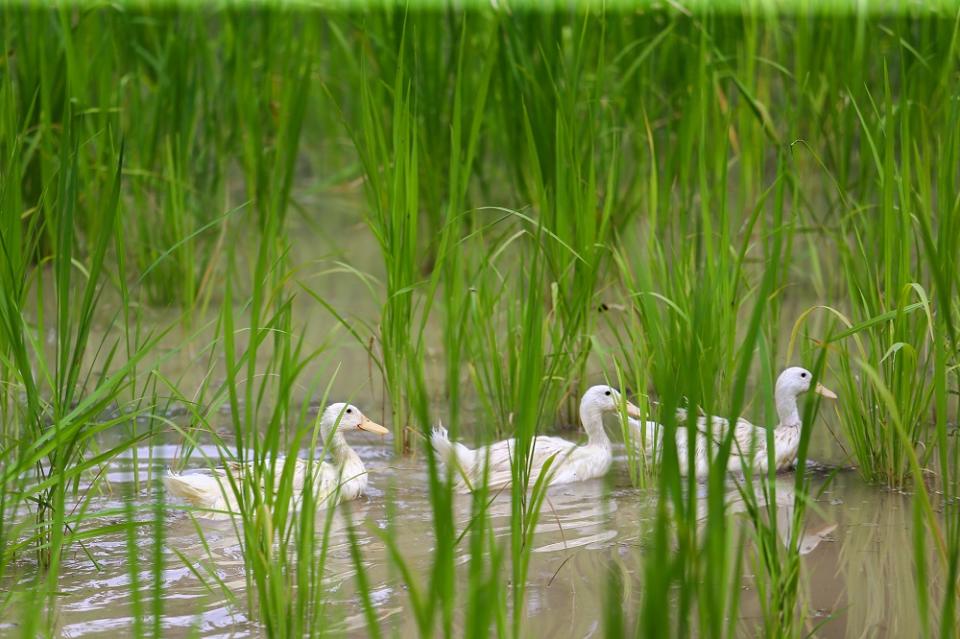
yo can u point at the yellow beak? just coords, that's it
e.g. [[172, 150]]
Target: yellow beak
[[633, 411], [826, 392], [372, 427]]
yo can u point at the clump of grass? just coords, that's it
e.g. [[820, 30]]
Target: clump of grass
[[892, 328], [52, 452], [389, 154], [570, 170], [471, 92], [867, 423], [688, 281], [283, 534]]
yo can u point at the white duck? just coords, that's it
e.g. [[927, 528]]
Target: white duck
[[749, 441], [343, 480], [571, 462]]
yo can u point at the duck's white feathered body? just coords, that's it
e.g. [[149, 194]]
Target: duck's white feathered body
[[749, 446], [212, 490], [215, 490], [571, 462]]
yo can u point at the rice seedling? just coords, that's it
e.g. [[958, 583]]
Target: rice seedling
[[283, 531], [570, 174], [390, 159], [466, 122], [53, 454]]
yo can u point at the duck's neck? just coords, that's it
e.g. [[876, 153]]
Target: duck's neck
[[592, 420], [341, 452], [352, 473], [787, 410]]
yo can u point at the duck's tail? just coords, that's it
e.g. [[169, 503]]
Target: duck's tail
[[200, 490], [646, 435], [453, 452]]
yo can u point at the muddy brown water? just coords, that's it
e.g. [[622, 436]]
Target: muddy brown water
[[857, 558]]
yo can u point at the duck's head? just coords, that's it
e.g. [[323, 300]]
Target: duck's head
[[342, 417], [796, 380], [604, 399]]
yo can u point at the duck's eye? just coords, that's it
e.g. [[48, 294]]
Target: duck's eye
[[803, 375], [607, 393], [349, 410]]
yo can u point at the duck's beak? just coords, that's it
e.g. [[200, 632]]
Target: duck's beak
[[633, 411], [826, 392], [372, 427]]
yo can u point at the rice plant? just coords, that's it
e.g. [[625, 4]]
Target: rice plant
[[390, 156]]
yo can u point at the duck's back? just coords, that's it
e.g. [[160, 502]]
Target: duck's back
[[212, 490], [570, 462], [749, 442]]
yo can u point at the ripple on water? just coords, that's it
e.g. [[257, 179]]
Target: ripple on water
[[863, 579]]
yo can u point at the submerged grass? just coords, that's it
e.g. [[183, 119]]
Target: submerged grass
[[658, 197]]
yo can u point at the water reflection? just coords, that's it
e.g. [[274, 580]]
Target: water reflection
[[875, 561], [815, 529]]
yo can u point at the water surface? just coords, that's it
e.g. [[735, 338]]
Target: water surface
[[858, 571], [857, 561]]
